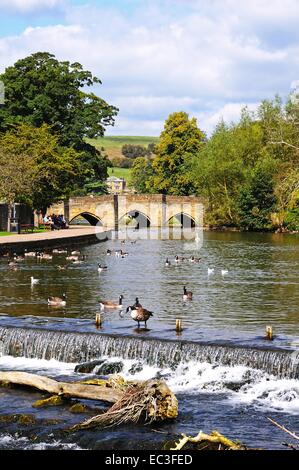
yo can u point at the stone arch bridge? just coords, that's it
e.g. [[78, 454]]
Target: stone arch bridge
[[154, 210]]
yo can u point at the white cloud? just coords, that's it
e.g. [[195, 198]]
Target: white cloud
[[208, 61], [24, 6]]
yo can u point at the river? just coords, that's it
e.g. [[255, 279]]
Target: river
[[260, 288]]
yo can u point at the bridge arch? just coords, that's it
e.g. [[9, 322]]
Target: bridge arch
[[92, 219], [136, 219], [182, 220]]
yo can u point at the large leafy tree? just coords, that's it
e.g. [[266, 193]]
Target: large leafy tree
[[257, 200], [180, 140], [39, 90], [35, 168], [141, 174]]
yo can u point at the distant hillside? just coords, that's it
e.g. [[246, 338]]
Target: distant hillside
[[120, 173], [113, 144]]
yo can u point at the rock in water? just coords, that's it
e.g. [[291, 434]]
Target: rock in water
[[108, 368], [87, 367]]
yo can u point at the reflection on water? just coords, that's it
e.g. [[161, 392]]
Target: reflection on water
[[261, 286]]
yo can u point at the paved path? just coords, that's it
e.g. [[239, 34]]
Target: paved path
[[52, 237]]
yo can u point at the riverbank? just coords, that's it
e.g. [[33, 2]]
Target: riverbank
[[53, 239]]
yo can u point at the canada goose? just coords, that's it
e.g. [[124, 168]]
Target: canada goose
[[110, 304], [187, 295], [178, 259], [133, 242], [102, 268], [194, 260], [29, 254], [210, 271], [57, 301], [224, 272], [167, 262], [34, 281], [137, 304], [139, 314]]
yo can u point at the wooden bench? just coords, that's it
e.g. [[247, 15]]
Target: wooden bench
[[27, 228]]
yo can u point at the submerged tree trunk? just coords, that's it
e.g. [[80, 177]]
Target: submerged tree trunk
[[146, 401]]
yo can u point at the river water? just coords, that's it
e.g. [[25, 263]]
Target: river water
[[260, 288]]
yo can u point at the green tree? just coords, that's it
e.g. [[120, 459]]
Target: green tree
[[257, 200], [134, 151], [55, 170], [141, 174], [219, 172], [39, 90], [180, 140]]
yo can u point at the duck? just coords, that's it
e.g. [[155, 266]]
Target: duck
[[12, 264], [122, 242], [72, 258], [57, 301], [167, 262], [34, 281], [108, 252], [187, 295], [18, 259], [210, 271], [29, 254], [110, 304], [194, 260], [102, 268], [224, 272], [46, 256], [139, 314]]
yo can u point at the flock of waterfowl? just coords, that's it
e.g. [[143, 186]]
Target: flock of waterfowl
[[137, 312]]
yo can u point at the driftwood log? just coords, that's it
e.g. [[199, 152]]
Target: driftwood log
[[215, 437], [146, 401], [68, 390]]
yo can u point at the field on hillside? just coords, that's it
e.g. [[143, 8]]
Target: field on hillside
[[120, 173], [113, 144]]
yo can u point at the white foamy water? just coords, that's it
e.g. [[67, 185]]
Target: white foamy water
[[237, 384], [14, 441], [40, 366]]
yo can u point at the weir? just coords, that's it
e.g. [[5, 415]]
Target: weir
[[82, 347]]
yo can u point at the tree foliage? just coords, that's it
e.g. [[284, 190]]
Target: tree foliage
[[134, 151], [40, 90], [180, 140], [142, 172], [46, 171]]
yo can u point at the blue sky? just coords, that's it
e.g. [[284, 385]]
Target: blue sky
[[206, 57]]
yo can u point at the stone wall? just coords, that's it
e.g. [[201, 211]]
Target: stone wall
[[109, 209]]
